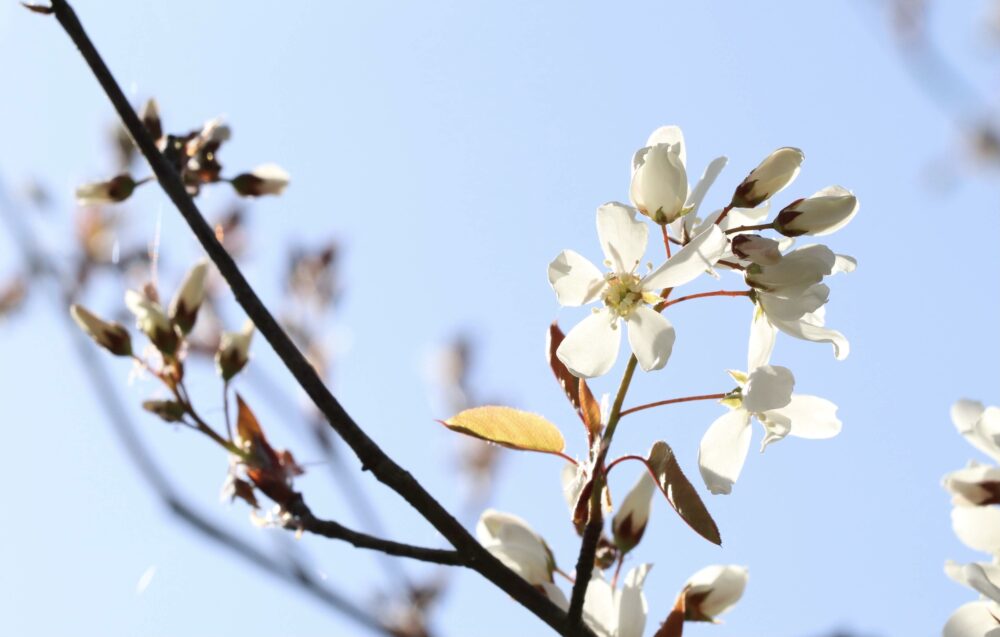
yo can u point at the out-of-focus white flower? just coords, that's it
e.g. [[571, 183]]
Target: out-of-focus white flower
[[152, 321], [591, 348], [765, 394], [617, 613], [512, 541], [188, 299], [267, 179], [979, 425], [975, 485], [980, 577], [629, 523], [975, 619], [978, 527], [824, 212], [713, 591], [113, 190], [769, 178], [109, 335], [234, 351], [757, 249]]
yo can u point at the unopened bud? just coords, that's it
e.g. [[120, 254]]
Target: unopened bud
[[150, 117], [109, 335], [234, 351], [758, 249], [153, 322], [269, 179], [826, 211], [188, 299], [168, 410], [630, 520], [659, 183], [114, 190], [712, 591], [769, 178]]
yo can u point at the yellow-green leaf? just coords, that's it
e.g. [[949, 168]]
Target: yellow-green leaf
[[509, 427]]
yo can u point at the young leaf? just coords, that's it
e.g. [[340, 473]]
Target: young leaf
[[509, 427], [576, 389], [680, 493]]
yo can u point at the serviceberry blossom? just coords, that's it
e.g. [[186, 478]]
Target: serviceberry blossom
[[765, 393], [619, 612], [591, 348], [713, 591]]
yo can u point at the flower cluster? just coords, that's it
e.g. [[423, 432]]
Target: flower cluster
[[786, 286], [975, 491], [195, 157]]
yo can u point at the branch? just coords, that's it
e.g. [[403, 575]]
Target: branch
[[109, 400], [368, 452]]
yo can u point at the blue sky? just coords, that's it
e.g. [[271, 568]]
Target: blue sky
[[455, 148]]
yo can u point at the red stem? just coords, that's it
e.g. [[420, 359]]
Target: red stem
[[702, 295], [612, 464], [671, 401], [666, 239]]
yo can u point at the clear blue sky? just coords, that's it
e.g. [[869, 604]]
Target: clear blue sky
[[455, 148]]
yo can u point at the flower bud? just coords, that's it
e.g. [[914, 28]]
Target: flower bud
[[758, 249], [111, 336], [188, 299], [826, 211], [795, 271], [712, 591], [151, 321], [630, 520], [659, 183], [513, 542], [150, 117], [269, 179], [168, 410], [114, 190], [975, 485], [769, 178], [234, 351]]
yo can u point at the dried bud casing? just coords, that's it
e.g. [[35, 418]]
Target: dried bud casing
[[114, 190], [769, 178], [109, 335], [234, 351], [269, 179], [168, 410], [153, 322], [826, 211], [186, 303]]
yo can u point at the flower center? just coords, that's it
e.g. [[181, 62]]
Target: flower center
[[624, 294]]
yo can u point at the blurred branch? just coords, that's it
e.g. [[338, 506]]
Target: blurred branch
[[369, 453], [40, 263]]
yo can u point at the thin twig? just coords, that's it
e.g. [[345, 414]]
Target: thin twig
[[369, 453]]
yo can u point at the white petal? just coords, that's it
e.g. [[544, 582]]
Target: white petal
[[844, 263], [555, 595], [701, 188], [762, 338], [651, 337], [974, 485], [599, 606], [723, 450], [977, 527], [623, 238], [591, 347], [632, 606], [965, 413], [575, 279], [980, 577], [808, 329], [974, 619], [700, 254], [716, 589], [669, 135], [808, 417], [768, 387], [793, 305]]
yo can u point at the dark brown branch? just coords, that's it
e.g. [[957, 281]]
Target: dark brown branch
[[41, 263], [369, 453], [585, 564]]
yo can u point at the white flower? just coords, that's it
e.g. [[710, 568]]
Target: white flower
[[791, 295], [978, 527], [765, 394], [513, 542], [975, 485], [187, 301], [591, 348], [629, 523], [659, 178], [714, 590], [979, 425], [826, 211], [769, 178], [975, 619], [617, 613]]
